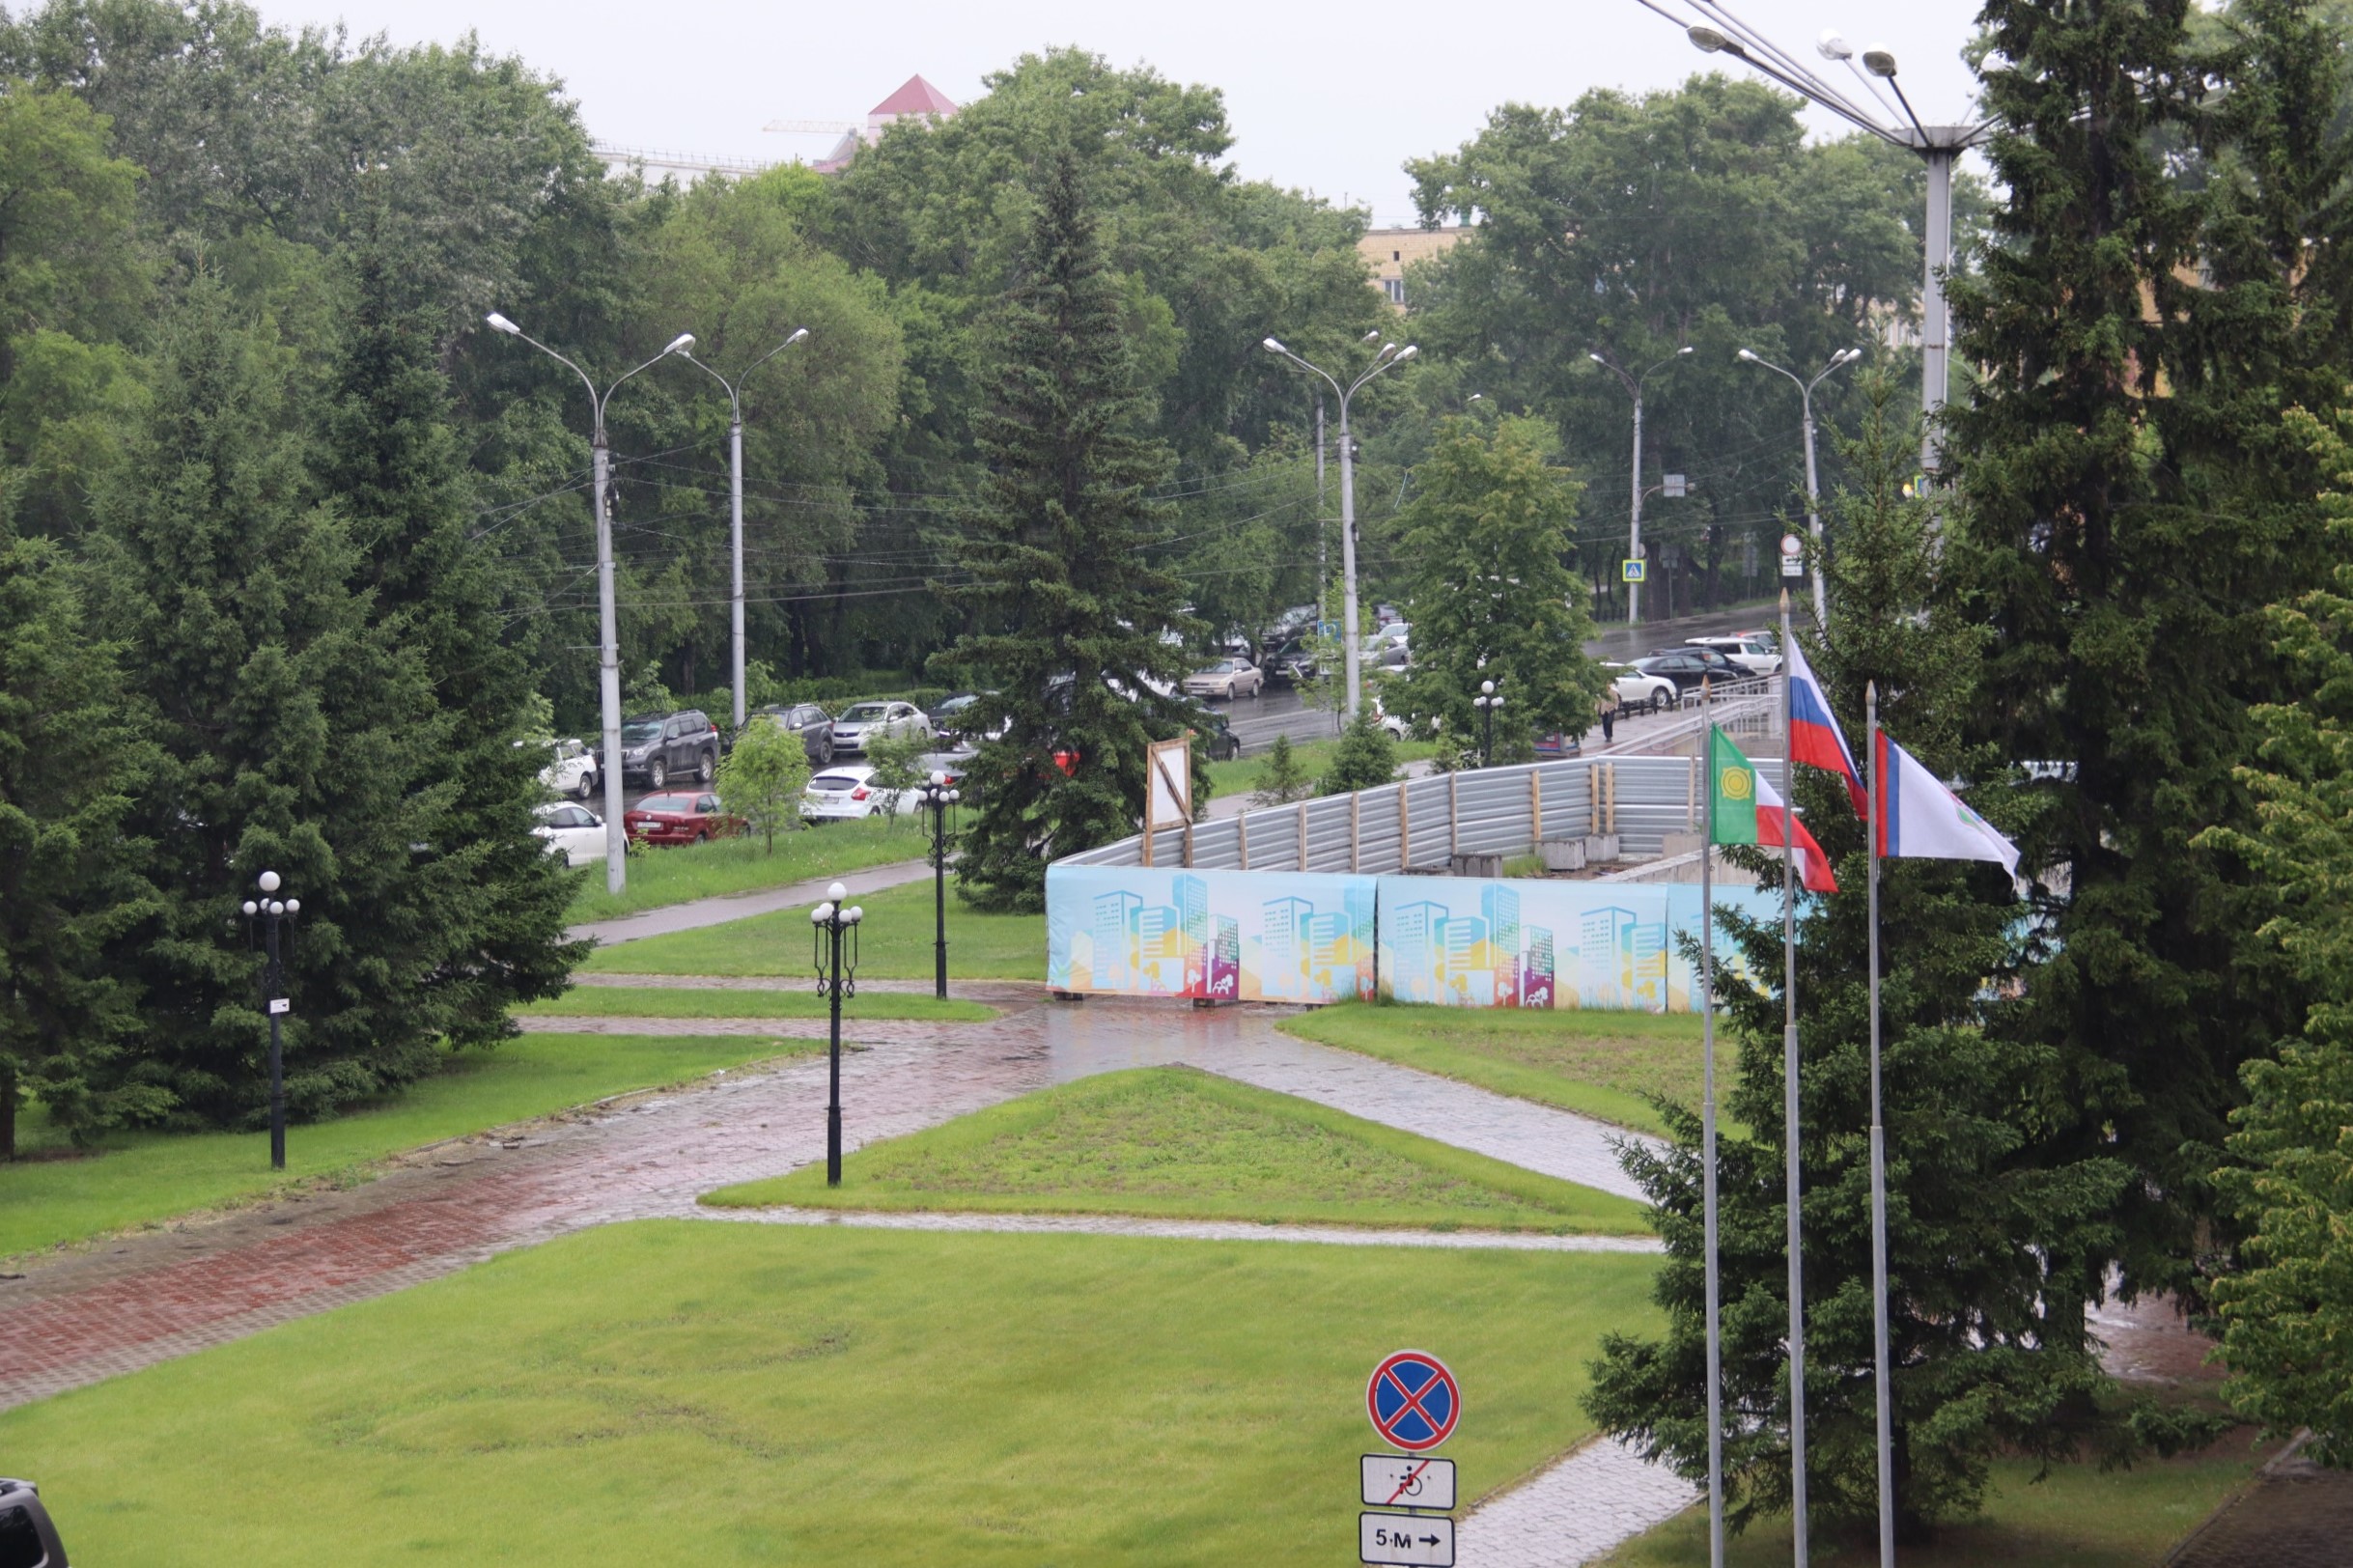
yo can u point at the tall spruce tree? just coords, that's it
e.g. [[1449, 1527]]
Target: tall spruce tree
[[2161, 284], [1985, 1220], [1069, 611]]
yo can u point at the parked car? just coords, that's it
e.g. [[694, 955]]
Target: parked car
[[846, 792], [950, 717], [1293, 663], [1397, 657], [680, 819], [810, 722], [1215, 735], [1687, 667], [1748, 649], [861, 721], [574, 833], [658, 747], [571, 770], [1395, 726], [1637, 687], [1715, 665], [1227, 678]]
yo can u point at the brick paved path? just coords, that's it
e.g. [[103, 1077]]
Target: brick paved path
[[2295, 1515]]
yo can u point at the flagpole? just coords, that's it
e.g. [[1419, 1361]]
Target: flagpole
[[1707, 1135], [1879, 1169], [1789, 1097]]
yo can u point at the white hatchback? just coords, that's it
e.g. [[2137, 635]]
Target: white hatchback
[[574, 833], [571, 770], [846, 792]]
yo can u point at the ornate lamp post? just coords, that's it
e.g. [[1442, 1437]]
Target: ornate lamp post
[[938, 795], [1487, 702], [271, 912], [834, 925]]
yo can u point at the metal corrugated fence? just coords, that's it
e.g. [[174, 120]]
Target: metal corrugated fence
[[1422, 824]]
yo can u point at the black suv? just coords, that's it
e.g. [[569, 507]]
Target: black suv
[[658, 747], [812, 723]]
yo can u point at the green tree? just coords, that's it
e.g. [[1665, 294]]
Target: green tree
[[1985, 1219], [1365, 758], [1285, 779], [761, 779], [1069, 610], [1488, 532], [2141, 333]]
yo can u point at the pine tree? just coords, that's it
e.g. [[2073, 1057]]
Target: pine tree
[[1365, 758], [1069, 611], [2161, 286], [1285, 779], [1984, 1219]]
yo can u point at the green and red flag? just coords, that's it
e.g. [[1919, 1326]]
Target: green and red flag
[[1731, 791]]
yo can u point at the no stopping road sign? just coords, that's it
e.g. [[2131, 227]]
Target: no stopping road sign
[[1413, 1401]]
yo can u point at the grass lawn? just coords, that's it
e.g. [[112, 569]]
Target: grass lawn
[[685, 1391], [1243, 774], [1173, 1143], [894, 944], [2077, 1516], [743, 865], [1601, 1064], [140, 1178], [694, 1001]]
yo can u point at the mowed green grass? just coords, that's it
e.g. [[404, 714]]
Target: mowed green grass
[[684, 1391], [894, 944], [715, 1001], [2076, 1517], [1174, 1142], [1600, 1064], [686, 871], [141, 1178], [1245, 774]]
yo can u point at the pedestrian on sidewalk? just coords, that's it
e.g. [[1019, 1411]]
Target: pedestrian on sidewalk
[[1606, 706]]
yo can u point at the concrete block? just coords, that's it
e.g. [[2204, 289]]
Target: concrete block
[[1600, 849], [1563, 854], [1478, 865]]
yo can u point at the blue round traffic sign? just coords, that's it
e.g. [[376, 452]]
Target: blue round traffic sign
[[1413, 1401]]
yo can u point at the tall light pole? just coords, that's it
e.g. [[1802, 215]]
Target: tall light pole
[[832, 923], [1813, 483], [272, 910], [608, 629], [1937, 146], [1390, 354], [1633, 530], [938, 795], [735, 488]]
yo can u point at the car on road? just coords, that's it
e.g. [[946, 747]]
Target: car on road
[[1215, 735], [885, 720], [1227, 678], [1293, 663], [847, 792], [806, 719], [573, 832], [571, 770], [1750, 650], [680, 819], [658, 747], [1637, 687], [1688, 667]]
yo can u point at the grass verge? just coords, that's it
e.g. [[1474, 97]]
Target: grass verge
[[1598, 1064], [894, 944], [695, 1001], [2076, 1517], [683, 1391], [1243, 774], [142, 1178], [1174, 1142], [686, 871]]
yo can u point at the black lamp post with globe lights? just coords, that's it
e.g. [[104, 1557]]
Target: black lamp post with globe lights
[[938, 795], [1487, 702], [271, 912], [833, 925]]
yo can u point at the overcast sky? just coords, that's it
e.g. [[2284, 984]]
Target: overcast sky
[[1331, 98]]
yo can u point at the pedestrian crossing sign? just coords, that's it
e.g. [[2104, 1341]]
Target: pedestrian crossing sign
[[1631, 571]]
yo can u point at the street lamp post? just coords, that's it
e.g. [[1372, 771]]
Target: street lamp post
[[1634, 531], [833, 924], [608, 633], [735, 489], [939, 795], [1814, 485], [1487, 702], [271, 912], [1390, 354]]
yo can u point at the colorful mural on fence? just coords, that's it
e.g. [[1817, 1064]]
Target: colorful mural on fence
[[1229, 936], [1461, 943]]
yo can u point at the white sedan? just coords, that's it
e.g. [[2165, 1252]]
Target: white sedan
[[854, 725], [574, 833], [1636, 689], [1227, 678], [571, 770], [846, 792]]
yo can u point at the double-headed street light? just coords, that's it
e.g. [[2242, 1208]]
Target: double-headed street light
[[938, 794], [1634, 531], [735, 487], [1388, 355], [1487, 702], [1814, 487], [271, 912], [833, 924], [608, 632]]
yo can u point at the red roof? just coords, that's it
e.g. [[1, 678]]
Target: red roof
[[916, 97]]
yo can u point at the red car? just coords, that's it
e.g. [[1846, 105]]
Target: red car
[[680, 819]]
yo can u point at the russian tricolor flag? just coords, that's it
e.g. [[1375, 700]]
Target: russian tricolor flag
[[1813, 734]]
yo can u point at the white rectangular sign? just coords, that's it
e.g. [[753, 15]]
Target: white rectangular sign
[[279, 1004], [1403, 1481], [1405, 1540]]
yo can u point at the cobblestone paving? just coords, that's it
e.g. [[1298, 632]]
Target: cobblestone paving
[[717, 911], [1187, 1230], [2295, 1515], [1598, 1497]]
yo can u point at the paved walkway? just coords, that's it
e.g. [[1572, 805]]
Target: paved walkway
[[2295, 1515], [717, 911]]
